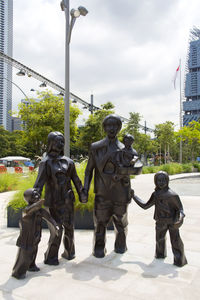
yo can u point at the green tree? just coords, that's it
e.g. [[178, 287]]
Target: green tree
[[132, 127], [166, 138], [12, 143], [93, 131], [145, 145], [191, 140], [143, 142], [42, 117], [4, 141]]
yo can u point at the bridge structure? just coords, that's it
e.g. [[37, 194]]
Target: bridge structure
[[24, 70]]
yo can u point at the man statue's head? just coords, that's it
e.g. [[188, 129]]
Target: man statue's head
[[112, 124]]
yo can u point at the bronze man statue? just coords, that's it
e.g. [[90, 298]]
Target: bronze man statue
[[112, 189], [57, 171]]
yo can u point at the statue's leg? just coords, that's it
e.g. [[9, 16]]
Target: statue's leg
[[101, 220], [120, 221], [51, 255], [33, 267], [68, 240], [22, 263], [161, 230], [177, 247]]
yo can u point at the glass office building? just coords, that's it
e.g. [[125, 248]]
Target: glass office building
[[6, 46], [191, 105]]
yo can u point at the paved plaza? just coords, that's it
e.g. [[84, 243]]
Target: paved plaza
[[133, 275]]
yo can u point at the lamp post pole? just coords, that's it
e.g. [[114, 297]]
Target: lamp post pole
[[68, 30], [181, 121], [16, 86], [65, 7]]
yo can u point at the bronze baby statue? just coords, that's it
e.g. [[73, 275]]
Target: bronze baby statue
[[30, 234], [168, 216]]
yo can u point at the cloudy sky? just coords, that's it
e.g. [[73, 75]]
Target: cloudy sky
[[123, 51]]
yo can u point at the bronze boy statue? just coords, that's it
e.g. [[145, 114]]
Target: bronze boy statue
[[30, 234], [168, 216]]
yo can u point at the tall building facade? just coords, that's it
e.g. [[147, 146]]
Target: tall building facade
[[191, 107], [6, 46]]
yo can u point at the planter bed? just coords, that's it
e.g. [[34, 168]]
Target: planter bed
[[82, 220]]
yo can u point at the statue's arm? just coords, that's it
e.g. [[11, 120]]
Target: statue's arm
[[41, 177], [50, 221], [179, 208], [78, 185], [141, 203], [89, 172], [29, 210]]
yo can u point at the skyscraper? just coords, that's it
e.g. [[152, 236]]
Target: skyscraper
[[6, 46], [191, 106]]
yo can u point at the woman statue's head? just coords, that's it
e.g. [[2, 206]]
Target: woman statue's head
[[55, 144]]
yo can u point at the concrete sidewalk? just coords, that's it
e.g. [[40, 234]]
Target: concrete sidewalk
[[133, 275]]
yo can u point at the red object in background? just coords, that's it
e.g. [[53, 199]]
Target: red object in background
[[3, 169], [31, 168], [18, 170]]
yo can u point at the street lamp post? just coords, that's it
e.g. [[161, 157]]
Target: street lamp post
[[68, 30], [15, 85]]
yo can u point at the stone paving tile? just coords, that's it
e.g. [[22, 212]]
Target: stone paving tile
[[136, 275]]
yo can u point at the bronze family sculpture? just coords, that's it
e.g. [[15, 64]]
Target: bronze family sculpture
[[112, 163], [168, 215]]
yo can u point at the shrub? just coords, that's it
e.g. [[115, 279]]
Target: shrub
[[18, 201], [171, 169], [187, 168], [9, 182], [150, 169], [27, 182], [197, 166], [80, 168]]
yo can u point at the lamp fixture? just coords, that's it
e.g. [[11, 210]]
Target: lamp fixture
[[21, 73], [83, 11], [75, 13], [43, 84]]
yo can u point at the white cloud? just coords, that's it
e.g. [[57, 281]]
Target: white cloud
[[122, 51]]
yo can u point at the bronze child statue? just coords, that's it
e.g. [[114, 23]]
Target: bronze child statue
[[30, 234], [127, 156], [168, 216]]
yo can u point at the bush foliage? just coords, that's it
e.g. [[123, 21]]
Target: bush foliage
[[172, 168], [27, 182], [21, 183], [9, 182]]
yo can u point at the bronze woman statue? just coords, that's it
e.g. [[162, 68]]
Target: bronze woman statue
[[56, 172]]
